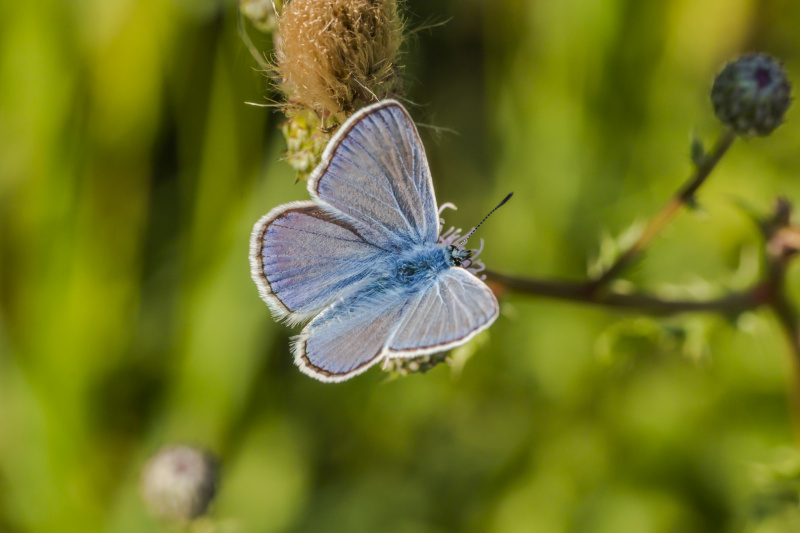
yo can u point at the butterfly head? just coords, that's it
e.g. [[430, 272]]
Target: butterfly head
[[455, 243], [456, 254], [459, 255]]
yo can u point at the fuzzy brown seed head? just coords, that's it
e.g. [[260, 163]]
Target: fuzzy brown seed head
[[334, 56]]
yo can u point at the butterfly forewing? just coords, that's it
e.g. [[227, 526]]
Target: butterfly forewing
[[374, 171], [302, 259]]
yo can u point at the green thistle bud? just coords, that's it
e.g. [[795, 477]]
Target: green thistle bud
[[752, 94], [306, 137], [179, 482]]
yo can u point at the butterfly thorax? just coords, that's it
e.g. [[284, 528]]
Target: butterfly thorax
[[425, 263]]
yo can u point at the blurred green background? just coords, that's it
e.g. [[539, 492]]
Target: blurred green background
[[131, 173]]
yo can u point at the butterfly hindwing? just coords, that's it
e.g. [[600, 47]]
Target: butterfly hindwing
[[375, 172], [355, 333], [453, 309], [348, 337]]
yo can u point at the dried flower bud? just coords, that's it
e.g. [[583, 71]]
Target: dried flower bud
[[752, 94], [179, 482], [337, 55]]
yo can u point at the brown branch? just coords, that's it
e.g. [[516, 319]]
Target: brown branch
[[681, 198], [787, 316], [781, 247], [588, 292], [733, 303]]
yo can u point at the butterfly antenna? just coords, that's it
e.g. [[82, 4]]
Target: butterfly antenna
[[465, 239]]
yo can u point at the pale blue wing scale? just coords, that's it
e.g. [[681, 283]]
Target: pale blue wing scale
[[375, 172], [348, 337], [448, 312], [302, 259]]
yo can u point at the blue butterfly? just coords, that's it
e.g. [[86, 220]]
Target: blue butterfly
[[363, 260]]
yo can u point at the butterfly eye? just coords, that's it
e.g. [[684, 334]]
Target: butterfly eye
[[451, 252]]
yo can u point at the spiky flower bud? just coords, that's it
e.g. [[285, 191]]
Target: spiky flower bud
[[752, 94], [179, 482], [334, 56]]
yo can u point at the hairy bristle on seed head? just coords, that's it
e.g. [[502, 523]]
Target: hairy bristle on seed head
[[338, 55]]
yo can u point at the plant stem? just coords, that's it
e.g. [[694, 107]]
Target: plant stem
[[248, 43], [668, 212]]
